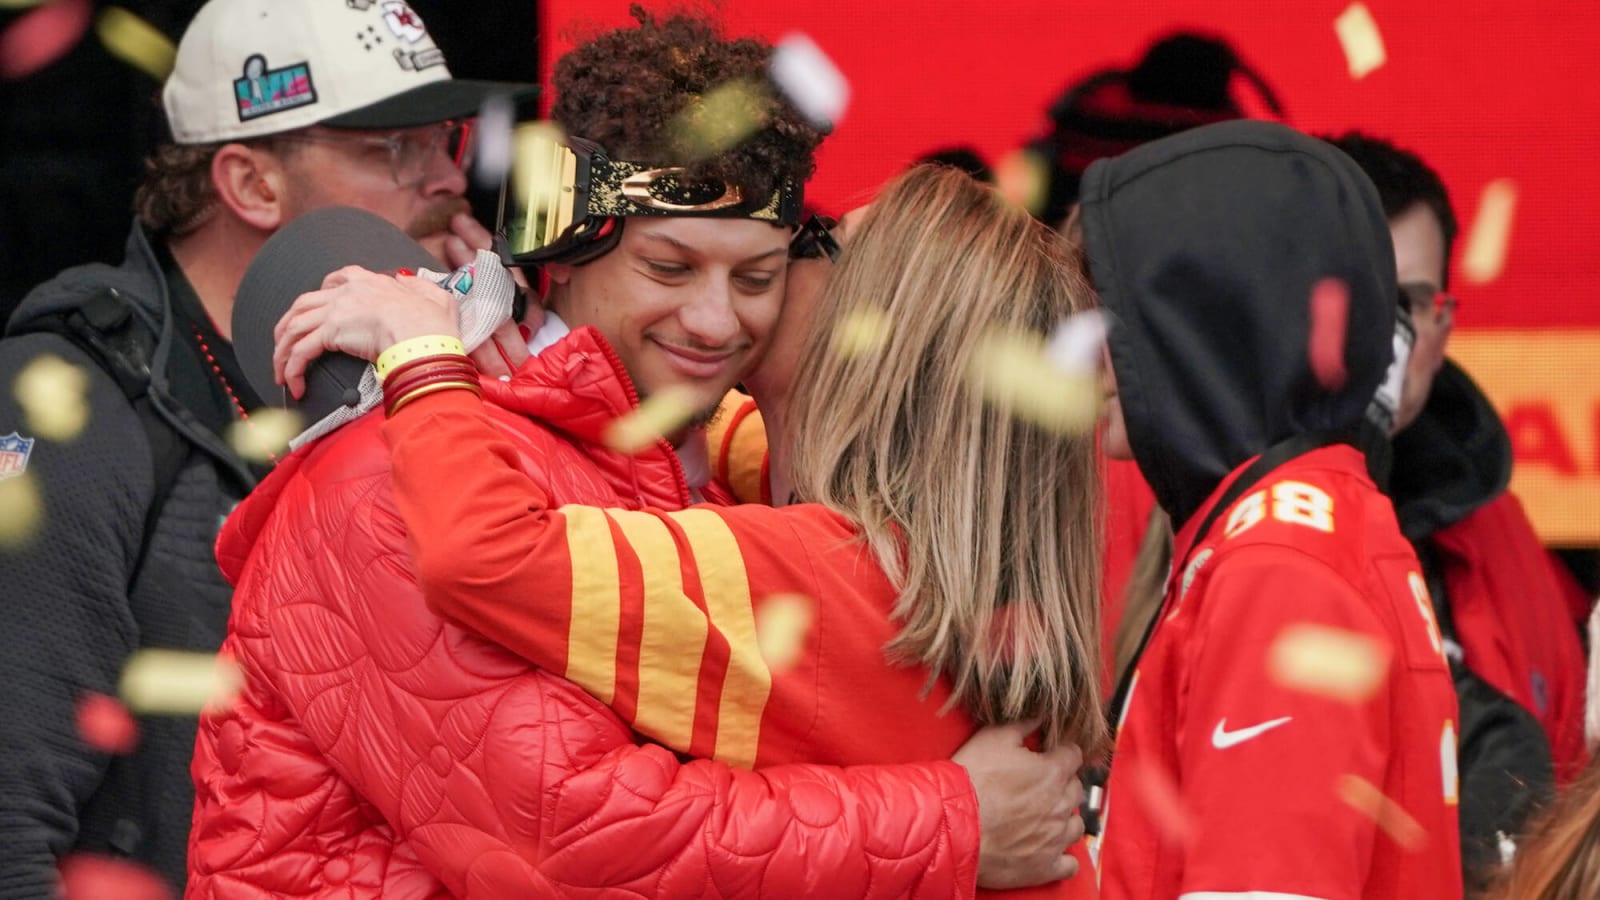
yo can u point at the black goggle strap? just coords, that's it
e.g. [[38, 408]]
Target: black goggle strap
[[621, 188]]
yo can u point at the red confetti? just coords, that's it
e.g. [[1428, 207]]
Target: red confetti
[[42, 36], [104, 724], [1366, 798], [1154, 789], [1330, 317], [89, 876]]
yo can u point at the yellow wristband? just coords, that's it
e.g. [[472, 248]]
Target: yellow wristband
[[417, 348]]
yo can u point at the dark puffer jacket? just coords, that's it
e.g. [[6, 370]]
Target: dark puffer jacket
[[75, 606]]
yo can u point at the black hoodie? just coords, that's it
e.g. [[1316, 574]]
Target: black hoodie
[[1452, 460], [1205, 247]]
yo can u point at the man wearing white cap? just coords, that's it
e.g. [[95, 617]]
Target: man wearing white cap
[[277, 107]]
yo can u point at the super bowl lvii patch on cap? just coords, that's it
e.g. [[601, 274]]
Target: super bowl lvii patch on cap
[[263, 91]]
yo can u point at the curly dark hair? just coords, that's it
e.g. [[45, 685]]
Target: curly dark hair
[[623, 90]]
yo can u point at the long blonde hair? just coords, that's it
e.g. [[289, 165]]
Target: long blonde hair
[[1559, 857], [986, 523]]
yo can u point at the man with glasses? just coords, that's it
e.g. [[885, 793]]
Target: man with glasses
[[276, 107], [1514, 651]]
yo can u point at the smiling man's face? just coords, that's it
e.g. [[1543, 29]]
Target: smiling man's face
[[688, 301]]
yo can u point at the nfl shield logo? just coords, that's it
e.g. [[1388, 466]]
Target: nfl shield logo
[[14, 450]]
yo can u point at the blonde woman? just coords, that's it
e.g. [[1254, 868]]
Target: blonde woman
[[940, 573]]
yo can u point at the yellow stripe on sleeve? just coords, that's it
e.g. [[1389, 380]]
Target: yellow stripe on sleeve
[[596, 603], [674, 634], [748, 681]]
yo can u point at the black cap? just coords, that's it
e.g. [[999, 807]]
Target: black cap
[[295, 261]]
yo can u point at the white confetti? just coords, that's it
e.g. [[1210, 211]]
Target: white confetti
[[1077, 344], [810, 80], [492, 144]]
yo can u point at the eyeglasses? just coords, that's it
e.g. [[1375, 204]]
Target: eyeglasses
[[1423, 299], [815, 238], [411, 152]]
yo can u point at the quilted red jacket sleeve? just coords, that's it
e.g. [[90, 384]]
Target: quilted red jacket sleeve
[[506, 781]]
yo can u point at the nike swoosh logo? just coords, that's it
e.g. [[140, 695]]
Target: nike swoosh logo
[[1222, 738]]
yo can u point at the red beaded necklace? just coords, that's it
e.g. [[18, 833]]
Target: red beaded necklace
[[216, 369]]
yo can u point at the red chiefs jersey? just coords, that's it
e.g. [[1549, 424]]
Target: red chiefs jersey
[[746, 634], [1291, 728]]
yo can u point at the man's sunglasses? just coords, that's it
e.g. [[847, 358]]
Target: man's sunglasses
[[815, 238]]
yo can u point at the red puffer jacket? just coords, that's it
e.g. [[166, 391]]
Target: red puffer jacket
[[376, 751]]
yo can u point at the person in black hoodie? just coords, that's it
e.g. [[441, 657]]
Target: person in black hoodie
[[1504, 620], [1289, 729]]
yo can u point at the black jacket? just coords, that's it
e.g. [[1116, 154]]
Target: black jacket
[[1205, 247], [1454, 459], [74, 607]]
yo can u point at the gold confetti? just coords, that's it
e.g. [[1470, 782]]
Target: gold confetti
[[663, 413], [265, 435], [136, 42], [721, 118], [1331, 662], [51, 392], [1014, 372], [1365, 797], [1023, 177], [783, 622], [1362, 42], [20, 510], [861, 332], [1485, 256], [176, 682]]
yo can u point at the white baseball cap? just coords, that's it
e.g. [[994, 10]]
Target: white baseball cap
[[248, 68]]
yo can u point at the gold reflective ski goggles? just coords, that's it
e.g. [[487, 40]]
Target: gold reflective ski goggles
[[565, 199]]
